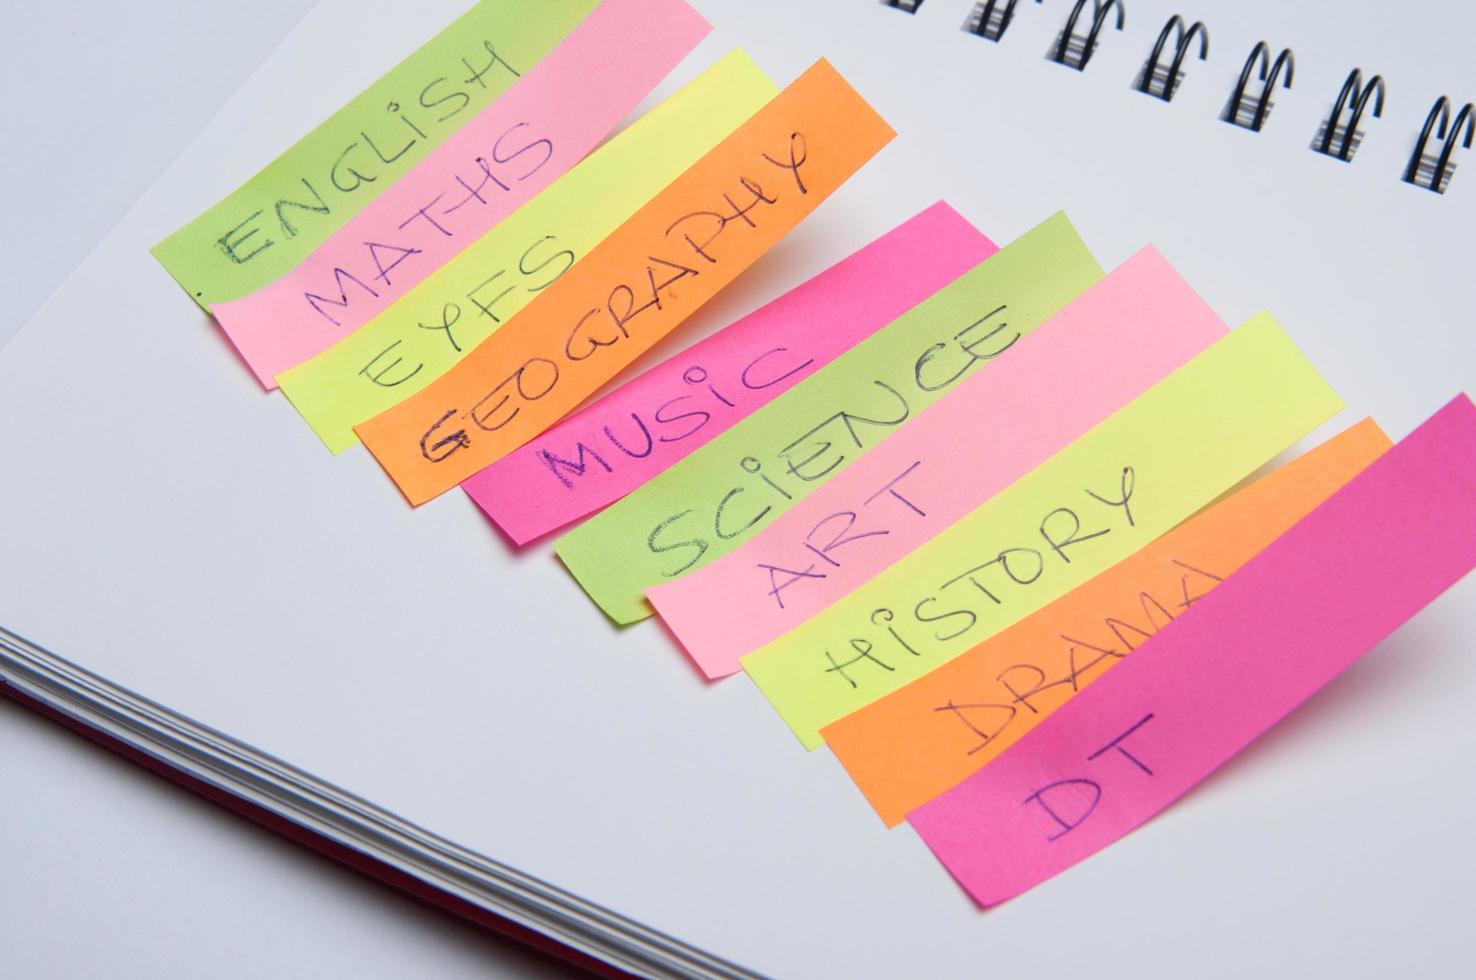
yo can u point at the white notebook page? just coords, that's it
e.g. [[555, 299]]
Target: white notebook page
[[168, 525]]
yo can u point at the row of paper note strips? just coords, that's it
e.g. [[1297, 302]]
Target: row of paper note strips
[[977, 518]]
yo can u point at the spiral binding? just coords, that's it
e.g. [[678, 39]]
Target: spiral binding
[[1433, 171], [1431, 165], [1341, 126], [1074, 50], [1161, 81], [1250, 113], [990, 20]]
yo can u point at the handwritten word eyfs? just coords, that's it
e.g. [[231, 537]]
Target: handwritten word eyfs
[[633, 289], [726, 492], [1108, 346], [1236, 662], [275, 219], [423, 334], [630, 435], [555, 114], [1174, 449], [927, 737]]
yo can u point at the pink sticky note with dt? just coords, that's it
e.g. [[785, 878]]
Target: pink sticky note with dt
[[580, 465], [1119, 338], [1232, 665], [539, 128]]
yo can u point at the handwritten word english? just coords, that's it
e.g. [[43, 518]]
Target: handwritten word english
[[360, 162]]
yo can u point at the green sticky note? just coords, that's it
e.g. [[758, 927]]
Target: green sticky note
[[424, 333], [290, 207], [689, 515], [1152, 464]]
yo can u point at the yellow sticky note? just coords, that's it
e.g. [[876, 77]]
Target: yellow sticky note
[[580, 332], [1135, 476], [450, 312]]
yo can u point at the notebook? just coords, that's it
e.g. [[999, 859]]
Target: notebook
[[402, 686]]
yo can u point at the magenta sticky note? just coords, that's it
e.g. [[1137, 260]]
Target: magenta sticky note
[[1236, 662], [539, 128], [584, 462], [1119, 338]]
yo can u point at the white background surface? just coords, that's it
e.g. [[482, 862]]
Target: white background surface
[[102, 97], [110, 870], [217, 560]]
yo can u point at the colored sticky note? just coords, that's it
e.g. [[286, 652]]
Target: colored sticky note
[[1290, 620], [929, 736], [726, 492], [268, 224], [605, 451], [543, 125], [1150, 465], [1112, 343], [635, 287], [421, 336]]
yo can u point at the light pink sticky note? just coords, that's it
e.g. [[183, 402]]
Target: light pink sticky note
[[1116, 340], [552, 480], [1237, 661], [539, 128]]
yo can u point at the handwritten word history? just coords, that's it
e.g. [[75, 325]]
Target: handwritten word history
[[955, 606]]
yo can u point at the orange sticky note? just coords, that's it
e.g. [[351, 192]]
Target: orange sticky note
[[658, 268], [929, 736]]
